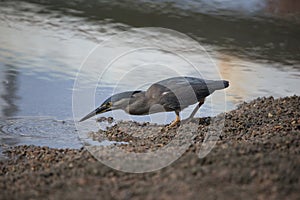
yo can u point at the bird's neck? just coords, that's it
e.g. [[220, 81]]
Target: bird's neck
[[137, 105]]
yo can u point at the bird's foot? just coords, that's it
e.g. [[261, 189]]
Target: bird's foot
[[177, 123], [174, 124]]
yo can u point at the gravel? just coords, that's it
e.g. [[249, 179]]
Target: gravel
[[257, 156]]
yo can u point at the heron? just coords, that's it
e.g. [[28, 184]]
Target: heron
[[168, 95]]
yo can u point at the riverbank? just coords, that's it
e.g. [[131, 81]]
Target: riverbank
[[257, 156]]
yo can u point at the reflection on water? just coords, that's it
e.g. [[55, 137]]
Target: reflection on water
[[8, 90], [250, 79], [255, 45], [246, 28], [283, 8]]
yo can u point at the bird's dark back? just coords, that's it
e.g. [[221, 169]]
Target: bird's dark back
[[200, 86], [183, 91]]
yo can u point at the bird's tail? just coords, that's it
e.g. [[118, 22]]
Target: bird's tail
[[217, 85]]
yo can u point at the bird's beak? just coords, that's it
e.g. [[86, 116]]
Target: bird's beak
[[99, 110]]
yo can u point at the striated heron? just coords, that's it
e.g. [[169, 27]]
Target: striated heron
[[173, 94]]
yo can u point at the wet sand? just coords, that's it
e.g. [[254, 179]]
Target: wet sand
[[257, 156]]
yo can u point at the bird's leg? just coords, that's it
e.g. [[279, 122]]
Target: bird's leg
[[194, 111], [176, 121]]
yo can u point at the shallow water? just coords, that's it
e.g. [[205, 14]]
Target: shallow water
[[255, 45]]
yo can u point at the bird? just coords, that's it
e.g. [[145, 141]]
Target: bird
[[169, 95]]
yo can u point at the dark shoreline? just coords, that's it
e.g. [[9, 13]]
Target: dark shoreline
[[256, 157]]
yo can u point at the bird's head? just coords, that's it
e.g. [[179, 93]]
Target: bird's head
[[115, 102]]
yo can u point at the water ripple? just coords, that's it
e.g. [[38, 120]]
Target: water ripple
[[38, 131]]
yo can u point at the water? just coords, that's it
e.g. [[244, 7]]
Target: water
[[255, 45]]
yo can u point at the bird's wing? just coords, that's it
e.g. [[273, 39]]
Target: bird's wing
[[178, 92], [175, 82], [179, 86]]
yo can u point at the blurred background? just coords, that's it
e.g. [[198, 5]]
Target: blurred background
[[254, 43]]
